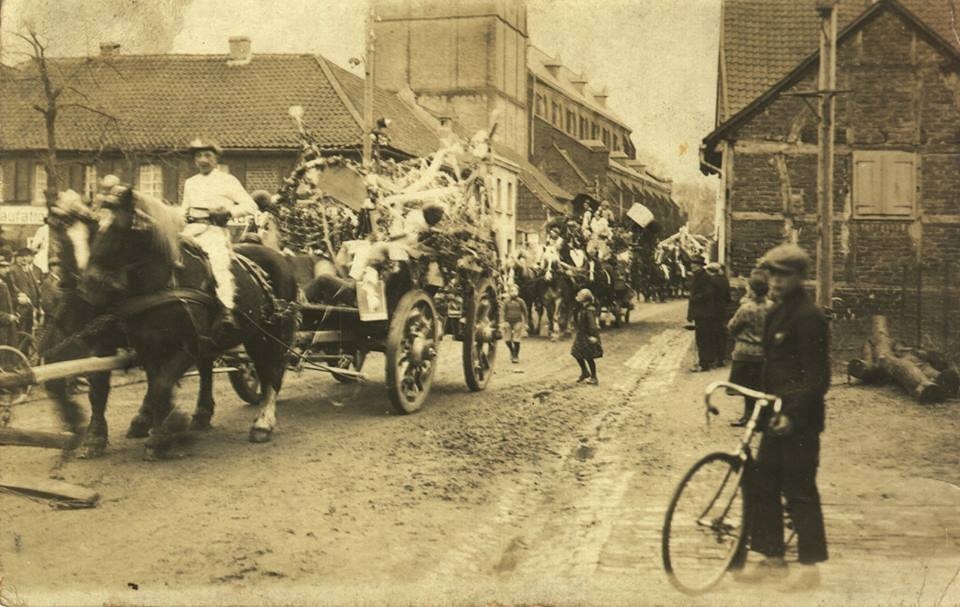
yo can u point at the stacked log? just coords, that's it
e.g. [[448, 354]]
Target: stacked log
[[927, 376]]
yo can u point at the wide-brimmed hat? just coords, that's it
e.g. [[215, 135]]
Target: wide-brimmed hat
[[202, 145]]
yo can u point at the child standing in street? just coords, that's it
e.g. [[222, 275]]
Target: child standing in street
[[513, 322], [746, 328], [586, 340]]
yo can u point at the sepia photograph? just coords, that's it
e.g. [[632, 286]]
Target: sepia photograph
[[479, 303]]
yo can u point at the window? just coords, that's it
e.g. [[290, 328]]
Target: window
[[511, 203], [606, 138], [1, 183], [541, 106], [571, 123], [150, 180], [594, 131], [89, 181], [556, 118], [39, 184], [498, 198], [584, 128], [884, 183]]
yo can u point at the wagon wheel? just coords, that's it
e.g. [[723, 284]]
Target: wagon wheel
[[12, 361], [480, 336], [245, 381], [411, 351], [346, 362]]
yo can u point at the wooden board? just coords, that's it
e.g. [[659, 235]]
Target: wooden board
[[76, 495], [34, 438]]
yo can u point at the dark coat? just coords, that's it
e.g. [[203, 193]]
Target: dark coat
[[702, 304], [586, 326], [721, 294], [8, 327], [26, 282], [796, 350]]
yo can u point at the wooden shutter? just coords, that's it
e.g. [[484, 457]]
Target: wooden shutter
[[867, 183], [899, 183], [23, 184], [74, 177], [9, 168]]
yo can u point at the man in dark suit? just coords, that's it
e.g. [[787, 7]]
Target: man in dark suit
[[8, 310], [24, 279], [797, 369], [701, 310], [721, 300]]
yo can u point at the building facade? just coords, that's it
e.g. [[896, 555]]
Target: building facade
[[896, 186]]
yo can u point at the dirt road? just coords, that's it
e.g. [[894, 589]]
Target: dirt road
[[538, 490]]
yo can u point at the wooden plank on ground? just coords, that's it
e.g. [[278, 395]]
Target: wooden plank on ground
[[45, 488]]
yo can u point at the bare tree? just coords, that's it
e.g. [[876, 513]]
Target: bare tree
[[59, 91]]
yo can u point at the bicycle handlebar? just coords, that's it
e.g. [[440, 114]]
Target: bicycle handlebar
[[763, 400]]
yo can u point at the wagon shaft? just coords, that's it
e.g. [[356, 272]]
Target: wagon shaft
[[37, 375]]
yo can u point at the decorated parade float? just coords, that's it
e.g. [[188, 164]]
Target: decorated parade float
[[410, 257]]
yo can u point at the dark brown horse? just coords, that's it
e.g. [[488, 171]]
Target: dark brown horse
[[132, 273]]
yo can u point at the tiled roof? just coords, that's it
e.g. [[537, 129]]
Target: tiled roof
[[764, 40], [165, 101], [537, 61], [547, 192]]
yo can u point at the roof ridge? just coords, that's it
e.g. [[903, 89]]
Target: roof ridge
[[338, 89]]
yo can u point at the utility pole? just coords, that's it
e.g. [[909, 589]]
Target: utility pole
[[368, 65], [827, 86]]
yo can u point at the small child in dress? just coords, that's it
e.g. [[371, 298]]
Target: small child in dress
[[586, 346], [513, 322]]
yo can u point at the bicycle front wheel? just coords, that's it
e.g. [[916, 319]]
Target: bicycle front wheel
[[705, 526]]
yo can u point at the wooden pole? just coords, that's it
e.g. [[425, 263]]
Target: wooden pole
[[827, 91], [368, 71]]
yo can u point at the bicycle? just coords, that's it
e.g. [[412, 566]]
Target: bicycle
[[704, 531]]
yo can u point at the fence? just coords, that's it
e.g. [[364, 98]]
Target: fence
[[922, 310]]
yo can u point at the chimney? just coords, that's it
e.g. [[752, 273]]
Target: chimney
[[553, 64], [579, 82], [601, 97], [109, 49], [240, 53]]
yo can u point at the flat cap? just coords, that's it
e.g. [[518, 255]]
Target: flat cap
[[199, 145], [786, 259]]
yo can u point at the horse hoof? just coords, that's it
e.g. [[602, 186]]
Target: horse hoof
[[175, 423], [200, 423], [260, 435], [92, 450], [139, 428]]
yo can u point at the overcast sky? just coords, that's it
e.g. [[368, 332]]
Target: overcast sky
[[657, 57]]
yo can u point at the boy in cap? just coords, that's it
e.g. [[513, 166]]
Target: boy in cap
[[513, 321], [797, 369], [210, 199]]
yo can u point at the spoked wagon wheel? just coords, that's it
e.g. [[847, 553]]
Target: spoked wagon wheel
[[245, 381], [411, 351], [347, 362], [479, 335], [12, 361]]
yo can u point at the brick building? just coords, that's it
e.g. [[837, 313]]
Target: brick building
[[471, 61], [153, 105], [897, 187]]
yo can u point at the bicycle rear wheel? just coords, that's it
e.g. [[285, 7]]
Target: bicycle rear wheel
[[705, 525]]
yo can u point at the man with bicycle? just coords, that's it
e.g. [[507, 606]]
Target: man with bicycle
[[797, 369]]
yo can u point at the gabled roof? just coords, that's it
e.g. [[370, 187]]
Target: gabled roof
[[161, 102], [547, 192], [762, 41], [767, 95], [562, 79]]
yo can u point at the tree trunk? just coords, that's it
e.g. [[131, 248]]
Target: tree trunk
[[866, 368], [905, 372]]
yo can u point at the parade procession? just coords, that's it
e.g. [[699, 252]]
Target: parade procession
[[436, 302]]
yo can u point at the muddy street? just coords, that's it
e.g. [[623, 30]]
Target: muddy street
[[539, 490]]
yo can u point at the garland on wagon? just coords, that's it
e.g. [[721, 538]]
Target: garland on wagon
[[433, 211]]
